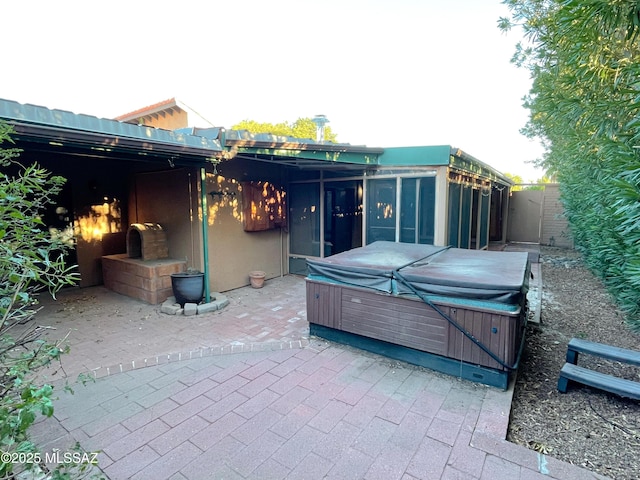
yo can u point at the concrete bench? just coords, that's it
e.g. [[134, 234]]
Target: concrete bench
[[610, 352], [601, 381]]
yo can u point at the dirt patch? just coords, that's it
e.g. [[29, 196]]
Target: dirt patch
[[586, 427]]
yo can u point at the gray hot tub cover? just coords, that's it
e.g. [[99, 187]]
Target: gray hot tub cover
[[451, 272]]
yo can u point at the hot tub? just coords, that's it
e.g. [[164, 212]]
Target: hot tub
[[462, 312]]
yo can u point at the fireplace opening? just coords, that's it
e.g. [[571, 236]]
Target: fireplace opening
[[134, 243], [147, 241]]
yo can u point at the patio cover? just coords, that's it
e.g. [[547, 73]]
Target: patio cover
[[56, 131]]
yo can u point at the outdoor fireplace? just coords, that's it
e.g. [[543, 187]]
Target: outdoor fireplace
[[147, 241], [144, 272]]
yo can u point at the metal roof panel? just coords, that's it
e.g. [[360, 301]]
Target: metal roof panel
[[415, 156], [33, 114]]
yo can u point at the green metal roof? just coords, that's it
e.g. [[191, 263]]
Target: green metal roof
[[37, 123], [416, 156], [294, 156], [440, 155], [295, 152], [46, 127], [467, 163]]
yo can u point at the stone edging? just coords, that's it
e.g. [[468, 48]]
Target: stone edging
[[171, 307]]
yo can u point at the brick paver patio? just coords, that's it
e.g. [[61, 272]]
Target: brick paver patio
[[244, 393]]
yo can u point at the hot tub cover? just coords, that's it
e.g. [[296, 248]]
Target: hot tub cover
[[371, 266], [403, 268]]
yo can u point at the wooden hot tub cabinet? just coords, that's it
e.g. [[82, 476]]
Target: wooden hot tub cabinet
[[474, 338]]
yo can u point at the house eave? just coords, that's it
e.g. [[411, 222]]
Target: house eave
[[107, 146], [305, 155], [40, 126], [462, 160]]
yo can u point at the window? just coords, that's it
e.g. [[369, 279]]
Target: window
[[426, 210], [381, 210], [416, 212], [304, 218], [454, 213], [409, 210]]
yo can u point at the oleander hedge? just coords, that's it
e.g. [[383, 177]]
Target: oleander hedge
[[584, 104]]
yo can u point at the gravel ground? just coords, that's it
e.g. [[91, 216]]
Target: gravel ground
[[586, 427]]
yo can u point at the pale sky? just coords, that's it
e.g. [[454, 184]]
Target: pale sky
[[385, 72]]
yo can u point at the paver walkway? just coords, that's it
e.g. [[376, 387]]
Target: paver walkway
[[293, 407]]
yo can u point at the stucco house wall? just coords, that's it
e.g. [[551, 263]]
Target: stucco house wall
[[234, 252], [170, 198]]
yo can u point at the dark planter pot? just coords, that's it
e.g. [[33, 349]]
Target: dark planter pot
[[187, 287]]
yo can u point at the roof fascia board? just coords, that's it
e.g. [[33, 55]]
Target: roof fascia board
[[428, 155]]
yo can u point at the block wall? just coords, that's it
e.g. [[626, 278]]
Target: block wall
[[555, 228]]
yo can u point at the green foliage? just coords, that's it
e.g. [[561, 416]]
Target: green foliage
[[585, 106], [301, 128], [539, 184], [30, 262], [520, 184], [514, 178]]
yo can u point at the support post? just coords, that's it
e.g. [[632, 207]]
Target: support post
[[205, 233]]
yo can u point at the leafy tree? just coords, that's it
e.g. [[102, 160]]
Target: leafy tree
[[517, 179], [301, 128], [585, 106], [539, 184], [30, 262]]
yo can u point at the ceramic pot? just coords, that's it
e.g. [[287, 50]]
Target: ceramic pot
[[188, 287]]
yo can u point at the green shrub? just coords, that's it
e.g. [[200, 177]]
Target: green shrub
[[585, 107], [31, 261]]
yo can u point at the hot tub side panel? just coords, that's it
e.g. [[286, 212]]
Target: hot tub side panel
[[500, 333], [385, 317], [414, 324], [324, 304], [377, 315]]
